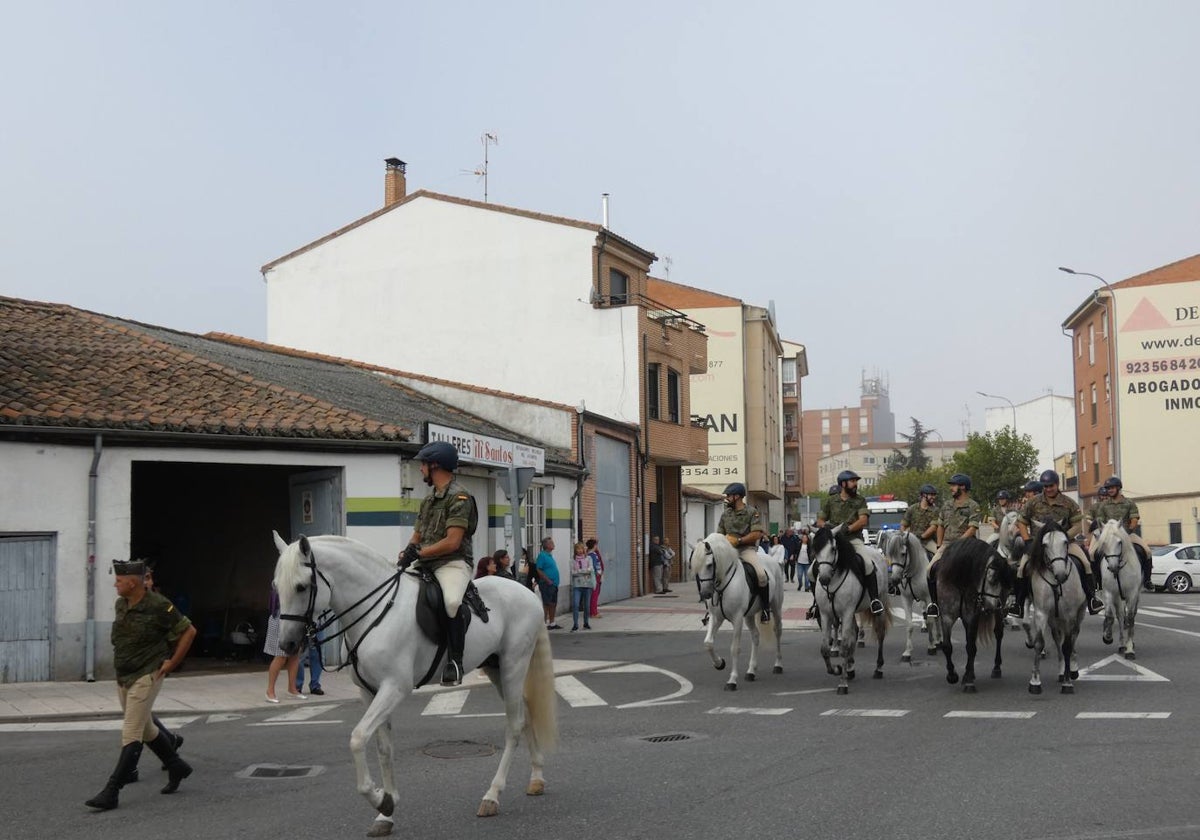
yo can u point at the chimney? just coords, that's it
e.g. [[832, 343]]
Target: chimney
[[394, 186], [604, 209]]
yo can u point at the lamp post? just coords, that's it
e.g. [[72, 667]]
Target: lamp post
[[941, 446], [1111, 309], [1010, 405]]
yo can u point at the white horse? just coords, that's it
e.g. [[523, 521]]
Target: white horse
[[841, 599], [908, 576], [1058, 604], [1008, 540], [721, 578], [376, 605], [1122, 577]]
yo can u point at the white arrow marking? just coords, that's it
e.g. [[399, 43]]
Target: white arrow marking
[[737, 710], [576, 693], [991, 715], [685, 685], [1122, 715], [447, 703], [1143, 674]]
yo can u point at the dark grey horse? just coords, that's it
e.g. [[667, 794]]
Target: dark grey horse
[[973, 582]]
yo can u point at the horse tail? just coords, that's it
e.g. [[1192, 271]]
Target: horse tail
[[879, 623], [985, 631], [539, 693]]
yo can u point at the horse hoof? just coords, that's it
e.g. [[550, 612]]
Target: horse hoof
[[381, 828], [996, 673], [862, 644], [387, 806], [952, 678], [969, 688], [488, 808], [1074, 675], [1131, 655], [843, 689], [1106, 639], [931, 651], [849, 674], [837, 670], [1029, 645], [1035, 689], [905, 658], [1068, 689], [878, 675], [731, 686], [1062, 678], [536, 787], [750, 676], [1121, 649], [778, 669], [720, 666]]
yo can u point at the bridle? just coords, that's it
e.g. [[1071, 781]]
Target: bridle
[[715, 596], [1120, 564]]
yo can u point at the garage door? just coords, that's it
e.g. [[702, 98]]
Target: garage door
[[26, 607], [612, 516]]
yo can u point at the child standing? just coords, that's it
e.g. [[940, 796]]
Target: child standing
[[583, 581]]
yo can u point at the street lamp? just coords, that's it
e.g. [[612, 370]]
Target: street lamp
[[1007, 400], [1113, 390], [941, 446]]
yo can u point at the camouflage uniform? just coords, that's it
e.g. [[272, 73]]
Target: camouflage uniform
[[838, 511], [918, 519], [1065, 512], [143, 636], [739, 523], [1124, 511], [998, 512], [955, 518], [452, 507]]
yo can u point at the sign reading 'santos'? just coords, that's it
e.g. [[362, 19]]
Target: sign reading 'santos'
[[1157, 383]]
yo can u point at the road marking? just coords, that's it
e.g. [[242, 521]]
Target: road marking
[[222, 718], [991, 715], [447, 702], [805, 691], [1142, 673], [1122, 715], [84, 725], [1154, 613], [865, 713], [685, 685], [295, 723], [577, 695], [303, 713], [738, 710], [1173, 611], [1172, 629]]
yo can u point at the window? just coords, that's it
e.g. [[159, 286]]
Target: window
[[1175, 532], [825, 441], [1104, 323], [1096, 457], [1082, 460], [1093, 403], [868, 459], [652, 391], [535, 518], [789, 377], [1108, 444], [825, 446], [789, 427], [673, 395], [862, 424], [1081, 403], [845, 424], [824, 425], [1107, 389], [1091, 344], [1078, 345], [618, 288], [845, 442]]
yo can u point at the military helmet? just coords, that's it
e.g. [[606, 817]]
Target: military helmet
[[441, 453], [847, 475], [928, 489], [1003, 496], [1033, 487], [736, 489], [1048, 478], [1114, 481], [962, 479]]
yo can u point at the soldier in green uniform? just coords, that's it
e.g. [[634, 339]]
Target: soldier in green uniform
[[441, 541], [149, 638], [1004, 503], [1114, 505], [959, 518], [742, 526], [921, 518], [849, 510], [1049, 505]]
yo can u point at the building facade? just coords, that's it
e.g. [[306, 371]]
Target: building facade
[[871, 462], [1049, 420], [793, 367], [828, 431]]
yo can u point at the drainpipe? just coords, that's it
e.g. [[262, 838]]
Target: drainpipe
[[577, 499], [89, 633]]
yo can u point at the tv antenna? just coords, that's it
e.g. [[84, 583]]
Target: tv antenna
[[489, 138]]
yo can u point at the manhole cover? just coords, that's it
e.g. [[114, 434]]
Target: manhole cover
[[280, 771], [664, 739], [458, 749]]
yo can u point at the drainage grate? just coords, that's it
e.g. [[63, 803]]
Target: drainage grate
[[663, 739], [280, 771], [458, 749]]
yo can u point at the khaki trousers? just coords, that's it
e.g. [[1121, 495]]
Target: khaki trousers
[[137, 702], [453, 577], [1073, 550], [751, 556]]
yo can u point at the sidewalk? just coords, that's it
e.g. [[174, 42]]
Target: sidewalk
[[227, 693]]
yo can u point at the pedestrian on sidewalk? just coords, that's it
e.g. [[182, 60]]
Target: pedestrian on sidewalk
[[803, 584], [583, 581], [149, 638], [668, 560], [279, 659], [593, 547], [312, 658], [503, 563], [657, 566], [547, 574]]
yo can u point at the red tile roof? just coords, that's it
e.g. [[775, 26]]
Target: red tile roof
[[1180, 271]]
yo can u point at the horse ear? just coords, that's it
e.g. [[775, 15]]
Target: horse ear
[[279, 543], [304, 547]]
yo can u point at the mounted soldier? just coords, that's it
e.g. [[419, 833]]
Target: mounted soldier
[[959, 518], [742, 526], [849, 510], [921, 518], [1114, 505]]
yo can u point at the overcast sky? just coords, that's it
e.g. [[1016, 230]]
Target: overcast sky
[[901, 179]]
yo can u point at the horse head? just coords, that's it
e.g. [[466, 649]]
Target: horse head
[[710, 561], [894, 545], [300, 597], [829, 552], [1113, 547], [1050, 551], [1009, 541]]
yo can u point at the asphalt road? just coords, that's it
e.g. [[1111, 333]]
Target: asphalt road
[[904, 757]]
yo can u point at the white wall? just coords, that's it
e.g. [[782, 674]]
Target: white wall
[[462, 293], [1048, 420], [699, 520]]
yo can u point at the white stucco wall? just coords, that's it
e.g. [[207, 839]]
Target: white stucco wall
[[462, 293], [1048, 420]]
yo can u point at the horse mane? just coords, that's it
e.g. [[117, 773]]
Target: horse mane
[[721, 549], [290, 570], [844, 550], [963, 564], [1037, 555], [1112, 530]]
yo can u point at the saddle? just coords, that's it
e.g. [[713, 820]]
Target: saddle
[[756, 591], [431, 609]]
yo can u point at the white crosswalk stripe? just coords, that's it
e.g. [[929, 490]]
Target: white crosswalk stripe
[[577, 695], [303, 715], [865, 713], [739, 710], [1122, 715], [447, 703], [967, 713]]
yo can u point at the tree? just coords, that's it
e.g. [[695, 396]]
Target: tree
[[905, 484], [996, 461], [916, 458]]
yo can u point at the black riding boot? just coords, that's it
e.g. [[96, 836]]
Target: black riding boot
[[456, 633], [1020, 592], [175, 740], [177, 768], [872, 585], [1147, 566], [765, 618], [931, 611], [106, 799], [1094, 604]]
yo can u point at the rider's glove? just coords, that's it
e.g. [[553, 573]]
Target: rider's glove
[[411, 554], [734, 539]]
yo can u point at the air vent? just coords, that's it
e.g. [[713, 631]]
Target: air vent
[[280, 771], [666, 739], [458, 749]]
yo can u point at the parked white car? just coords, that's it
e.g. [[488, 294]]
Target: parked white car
[[1176, 567]]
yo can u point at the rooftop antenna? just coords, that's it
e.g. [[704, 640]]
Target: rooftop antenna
[[667, 263], [966, 424], [489, 138]]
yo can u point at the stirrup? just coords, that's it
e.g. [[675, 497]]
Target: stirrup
[[452, 674], [1095, 606], [765, 618], [811, 613], [876, 606], [932, 611]]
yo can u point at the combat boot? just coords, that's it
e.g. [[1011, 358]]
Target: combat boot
[[456, 633], [1016, 606], [177, 768], [106, 799], [932, 611]]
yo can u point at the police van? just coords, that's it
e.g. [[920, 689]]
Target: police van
[[886, 512]]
